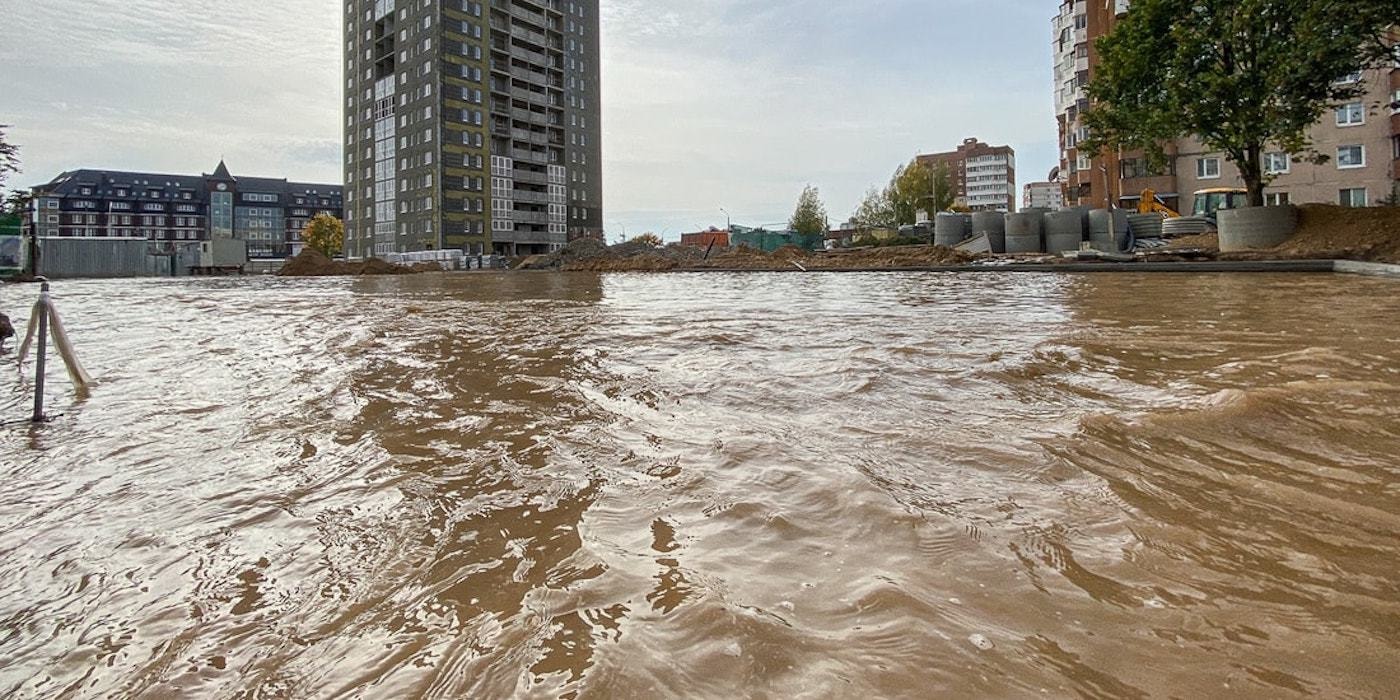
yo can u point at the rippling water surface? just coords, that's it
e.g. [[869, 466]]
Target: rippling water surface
[[802, 486]]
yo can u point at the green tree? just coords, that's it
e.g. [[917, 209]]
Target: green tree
[[1240, 75], [325, 234], [649, 239], [910, 186], [875, 211], [916, 186], [9, 157], [810, 216], [944, 195], [17, 202]]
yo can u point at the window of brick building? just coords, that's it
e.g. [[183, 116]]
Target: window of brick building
[[1353, 114], [1277, 163], [1351, 157]]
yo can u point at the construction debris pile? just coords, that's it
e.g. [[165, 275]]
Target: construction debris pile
[[312, 263], [1325, 232], [593, 256]]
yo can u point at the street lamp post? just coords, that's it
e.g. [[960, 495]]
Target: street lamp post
[[728, 225]]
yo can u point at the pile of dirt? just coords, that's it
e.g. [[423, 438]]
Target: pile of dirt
[[1203, 241], [896, 257], [790, 253], [590, 255], [312, 263], [739, 258], [644, 262], [1325, 231], [790, 257]]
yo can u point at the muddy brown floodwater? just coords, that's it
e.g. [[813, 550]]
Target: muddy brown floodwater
[[770, 485]]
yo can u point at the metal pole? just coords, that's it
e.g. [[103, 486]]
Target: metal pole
[[42, 351]]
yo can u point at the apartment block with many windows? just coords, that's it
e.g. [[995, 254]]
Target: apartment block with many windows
[[1361, 140], [268, 213], [1042, 195], [984, 176], [472, 125], [1357, 139]]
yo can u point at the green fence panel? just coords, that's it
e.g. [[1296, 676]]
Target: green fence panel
[[11, 246], [769, 241]]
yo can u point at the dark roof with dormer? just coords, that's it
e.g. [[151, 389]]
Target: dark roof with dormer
[[221, 174], [107, 184]]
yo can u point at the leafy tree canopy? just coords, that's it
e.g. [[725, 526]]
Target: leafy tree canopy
[[649, 239], [1240, 75], [326, 234], [875, 211], [16, 202], [810, 217], [916, 186], [9, 157]]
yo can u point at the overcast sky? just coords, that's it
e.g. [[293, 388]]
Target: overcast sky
[[706, 103]]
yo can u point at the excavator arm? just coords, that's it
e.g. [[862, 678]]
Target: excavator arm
[[1150, 203]]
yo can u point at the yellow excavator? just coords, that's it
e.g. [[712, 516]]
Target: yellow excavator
[[1152, 204], [1207, 203]]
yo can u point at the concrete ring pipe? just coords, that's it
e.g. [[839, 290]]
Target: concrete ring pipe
[[1025, 232], [992, 224], [1256, 228], [1064, 231], [951, 229]]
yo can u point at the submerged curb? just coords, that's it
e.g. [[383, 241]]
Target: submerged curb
[[1353, 267]]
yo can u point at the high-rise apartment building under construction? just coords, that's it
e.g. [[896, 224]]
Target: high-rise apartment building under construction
[[471, 125]]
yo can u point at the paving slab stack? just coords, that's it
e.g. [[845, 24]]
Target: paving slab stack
[[991, 224], [951, 229], [1025, 231], [1064, 230]]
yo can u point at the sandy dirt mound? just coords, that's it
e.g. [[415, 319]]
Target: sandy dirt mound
[[789, 258], [590, 255], [646, 262], [621, 259], [1204, 241], [893, 257], [1326, 231], [311, 263], [1330, 232], [593, 256]]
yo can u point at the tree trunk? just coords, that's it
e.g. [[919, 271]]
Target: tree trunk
[[1252, 171]]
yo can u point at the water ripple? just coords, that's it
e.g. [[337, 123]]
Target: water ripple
[[709, 486]]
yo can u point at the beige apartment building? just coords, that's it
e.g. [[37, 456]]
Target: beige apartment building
[[1358, 139], [1361, 139]]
